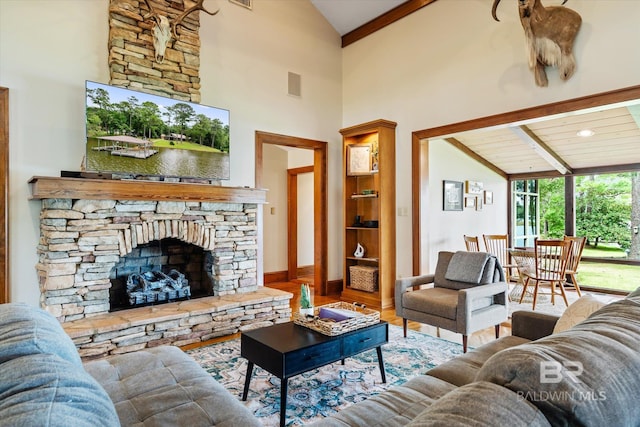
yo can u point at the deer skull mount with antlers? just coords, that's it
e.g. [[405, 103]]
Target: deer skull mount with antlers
[[164, 30], [550, 33]]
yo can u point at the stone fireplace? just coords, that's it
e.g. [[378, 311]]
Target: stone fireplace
[[94, 233], [82, 242]]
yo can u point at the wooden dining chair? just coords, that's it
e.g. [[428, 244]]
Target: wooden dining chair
[[573, 261], [525, 261], [471, 243], [550, 266], [498, 245]]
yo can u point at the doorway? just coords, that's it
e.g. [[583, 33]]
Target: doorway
[[320, 214], [299, 232], [420, 148]]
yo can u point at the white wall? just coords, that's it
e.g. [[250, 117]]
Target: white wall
[[48, 48], [450, 62], [276, 160], [448, 163]]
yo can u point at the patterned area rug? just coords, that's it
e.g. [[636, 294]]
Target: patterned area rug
[[322, 392]]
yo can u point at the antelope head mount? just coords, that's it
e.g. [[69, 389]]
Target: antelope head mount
[[164, 30], [550, 33]]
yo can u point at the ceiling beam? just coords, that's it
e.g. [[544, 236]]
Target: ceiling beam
[[598, 170], [543, 150], [469, 152], [535, 175], [575, 104], [383, 20], [629, 167]]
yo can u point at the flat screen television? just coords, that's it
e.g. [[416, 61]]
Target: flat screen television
[[135, 133]]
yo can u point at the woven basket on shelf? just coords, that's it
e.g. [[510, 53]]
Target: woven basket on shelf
[[364, 278], [330, 327]]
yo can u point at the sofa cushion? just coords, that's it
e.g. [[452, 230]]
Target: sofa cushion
[[441, 302], [42, 381], [162, 386], [634, 294], [587, 375], [46, 390], [480, 404], [464, 368], [395, 407], [578, 311], [27, 330]]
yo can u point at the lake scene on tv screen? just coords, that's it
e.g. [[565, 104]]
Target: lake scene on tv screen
[[132, 132]]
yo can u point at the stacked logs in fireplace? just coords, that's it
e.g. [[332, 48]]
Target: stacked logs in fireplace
[[155, 286]]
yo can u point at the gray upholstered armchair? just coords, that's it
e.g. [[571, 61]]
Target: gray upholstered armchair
[[469, 293]]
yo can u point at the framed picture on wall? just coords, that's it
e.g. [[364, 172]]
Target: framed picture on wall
[[479, 203], [470, 202], [473, 187], [488, 197], [358, 159], [452, 193]]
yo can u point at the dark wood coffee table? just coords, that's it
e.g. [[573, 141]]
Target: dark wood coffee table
[[287, 349]]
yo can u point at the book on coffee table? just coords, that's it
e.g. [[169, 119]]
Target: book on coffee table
[[337, 314]]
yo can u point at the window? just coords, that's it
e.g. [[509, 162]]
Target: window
[[607, 210], [552, 208], [603, 213], [525, 212]]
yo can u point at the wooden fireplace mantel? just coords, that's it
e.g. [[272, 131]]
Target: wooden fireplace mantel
[[44, 187]]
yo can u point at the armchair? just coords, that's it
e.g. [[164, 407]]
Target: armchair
[[469, 293]]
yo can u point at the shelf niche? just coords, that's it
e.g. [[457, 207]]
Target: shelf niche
[[369, 193]]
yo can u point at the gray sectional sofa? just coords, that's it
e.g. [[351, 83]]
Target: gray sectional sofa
[[588, 375], [43, 382]]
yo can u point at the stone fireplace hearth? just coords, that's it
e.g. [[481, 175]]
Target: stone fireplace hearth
[[87, 227]]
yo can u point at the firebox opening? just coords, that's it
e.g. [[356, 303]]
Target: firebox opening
[[158, 272]]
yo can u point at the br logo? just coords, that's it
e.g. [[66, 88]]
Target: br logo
[[554, 372]]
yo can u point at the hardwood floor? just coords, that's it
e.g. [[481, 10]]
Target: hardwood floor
[[389, 315]]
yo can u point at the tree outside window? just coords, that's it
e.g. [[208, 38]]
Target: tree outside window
[[607, 208]]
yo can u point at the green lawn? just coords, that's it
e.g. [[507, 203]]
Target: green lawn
[[604, 250], [183, 145], [607, 276]]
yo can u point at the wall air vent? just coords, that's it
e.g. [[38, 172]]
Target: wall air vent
[[294, 84]]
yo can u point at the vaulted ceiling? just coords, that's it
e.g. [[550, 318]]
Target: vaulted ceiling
[[549, 144], [553, 143], [347, 15]]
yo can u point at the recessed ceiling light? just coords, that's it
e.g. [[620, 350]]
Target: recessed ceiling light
[[585, 133]]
